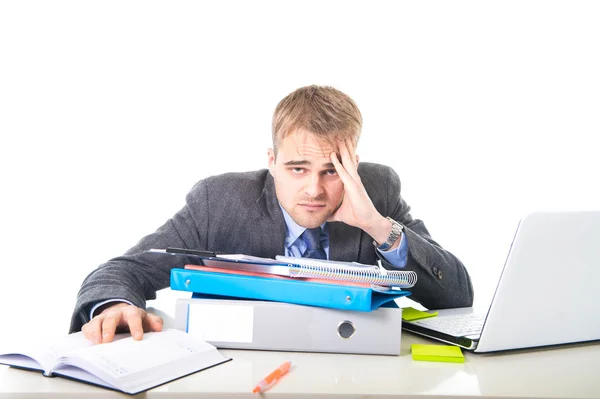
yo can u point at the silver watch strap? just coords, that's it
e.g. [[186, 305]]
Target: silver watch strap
[[393, 237]]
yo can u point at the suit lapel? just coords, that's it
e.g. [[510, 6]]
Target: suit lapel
[[268, 236], [344, 242]]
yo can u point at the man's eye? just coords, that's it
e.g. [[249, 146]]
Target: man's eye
[[297, 170], [330, 172]]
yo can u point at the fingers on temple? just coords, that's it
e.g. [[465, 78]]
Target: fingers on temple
[[345, 159], [347, 172], [341, 171], [348, 157]]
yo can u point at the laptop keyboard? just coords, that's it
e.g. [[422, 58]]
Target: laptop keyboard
[[458, 326]]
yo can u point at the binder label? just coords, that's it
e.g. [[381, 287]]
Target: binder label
[[221, 323]]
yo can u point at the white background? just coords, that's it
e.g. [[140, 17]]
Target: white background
[[110, 112]]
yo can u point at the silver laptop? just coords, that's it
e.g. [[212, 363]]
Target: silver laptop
[[548, 293]]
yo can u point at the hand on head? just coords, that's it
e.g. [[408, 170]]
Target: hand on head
[[356, 208], [118, 318]]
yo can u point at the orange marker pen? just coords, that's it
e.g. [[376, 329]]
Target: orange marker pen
[[272, 378]]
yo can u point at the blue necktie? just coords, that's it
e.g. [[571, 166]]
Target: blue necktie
[[312, 239]]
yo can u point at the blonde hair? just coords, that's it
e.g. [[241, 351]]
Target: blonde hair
[[323, 111]]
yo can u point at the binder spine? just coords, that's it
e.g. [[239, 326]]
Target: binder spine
[[291, 291]]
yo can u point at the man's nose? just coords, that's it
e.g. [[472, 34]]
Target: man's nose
[[314, 186]]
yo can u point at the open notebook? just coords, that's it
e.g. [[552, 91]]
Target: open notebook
[[303, 268], [125, 364]]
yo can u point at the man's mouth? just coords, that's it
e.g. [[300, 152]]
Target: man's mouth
[[311, 206]]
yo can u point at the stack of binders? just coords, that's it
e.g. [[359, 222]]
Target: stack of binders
[[292, 304]]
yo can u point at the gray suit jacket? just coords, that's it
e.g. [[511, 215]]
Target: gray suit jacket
[[239, 213]]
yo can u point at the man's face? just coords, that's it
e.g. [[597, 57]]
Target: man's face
[[306, 182]]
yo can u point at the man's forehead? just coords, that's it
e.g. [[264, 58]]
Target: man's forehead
[[306, 145]]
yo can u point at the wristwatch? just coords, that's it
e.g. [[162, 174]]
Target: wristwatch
[[394, 234]]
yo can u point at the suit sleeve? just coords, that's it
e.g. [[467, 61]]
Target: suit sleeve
[[136, 276], [443, 281]]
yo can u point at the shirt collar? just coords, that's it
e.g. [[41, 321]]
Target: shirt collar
[[294, 230]]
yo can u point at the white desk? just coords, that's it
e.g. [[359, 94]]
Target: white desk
[[565, 372]]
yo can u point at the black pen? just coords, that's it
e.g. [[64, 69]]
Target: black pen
[[184, 251], [197, 252]]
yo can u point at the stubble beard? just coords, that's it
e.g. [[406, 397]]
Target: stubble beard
[[310, 220]]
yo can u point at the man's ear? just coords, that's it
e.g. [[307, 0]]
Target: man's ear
[[271, 160]]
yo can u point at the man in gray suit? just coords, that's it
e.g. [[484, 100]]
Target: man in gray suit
[[314, 200]]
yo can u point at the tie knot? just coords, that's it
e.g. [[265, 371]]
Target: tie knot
[[312, 238]]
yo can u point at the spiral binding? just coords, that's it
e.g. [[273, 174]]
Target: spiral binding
[[369, 275]]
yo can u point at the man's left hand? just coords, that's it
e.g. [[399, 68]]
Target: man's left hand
[[356, 209]]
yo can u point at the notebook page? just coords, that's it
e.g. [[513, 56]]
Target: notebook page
[[26, 352], [125, 356]]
